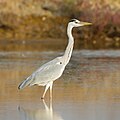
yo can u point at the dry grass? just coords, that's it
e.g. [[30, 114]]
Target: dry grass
[[36, 19]]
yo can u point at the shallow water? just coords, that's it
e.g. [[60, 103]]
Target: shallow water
[[89, 89]]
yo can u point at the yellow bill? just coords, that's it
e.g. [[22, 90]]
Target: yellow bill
[[86, 23]]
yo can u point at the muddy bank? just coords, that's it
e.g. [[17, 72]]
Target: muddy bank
[[38, 19]]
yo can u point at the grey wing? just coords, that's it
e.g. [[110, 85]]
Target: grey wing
[[46, 73]]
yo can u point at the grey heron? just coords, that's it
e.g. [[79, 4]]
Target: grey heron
[[49, 72]]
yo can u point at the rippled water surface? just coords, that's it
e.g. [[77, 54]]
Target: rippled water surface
[[89, 89]]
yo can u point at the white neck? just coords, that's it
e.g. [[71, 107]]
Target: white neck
[[69, 32], [69, 48]]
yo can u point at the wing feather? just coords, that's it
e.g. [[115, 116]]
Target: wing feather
[[47, 72]]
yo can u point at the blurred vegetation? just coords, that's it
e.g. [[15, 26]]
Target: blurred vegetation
[[38, 19]]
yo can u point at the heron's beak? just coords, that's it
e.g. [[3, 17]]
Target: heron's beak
[[85, 23]]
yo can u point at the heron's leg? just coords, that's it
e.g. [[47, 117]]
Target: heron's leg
[[46, 88], [51, 84]]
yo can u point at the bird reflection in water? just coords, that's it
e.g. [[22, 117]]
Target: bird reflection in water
[[39, 114]]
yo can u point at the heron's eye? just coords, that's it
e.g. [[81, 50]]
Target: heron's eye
[[76, 22], [60, 62]]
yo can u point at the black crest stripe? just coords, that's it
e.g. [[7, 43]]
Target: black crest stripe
[[72, 20]]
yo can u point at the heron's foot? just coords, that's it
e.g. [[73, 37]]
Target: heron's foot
[[42, 98]]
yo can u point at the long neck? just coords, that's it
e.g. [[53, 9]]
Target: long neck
[[69, 48]]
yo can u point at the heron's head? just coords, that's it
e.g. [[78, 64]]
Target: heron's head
[[77, 23]]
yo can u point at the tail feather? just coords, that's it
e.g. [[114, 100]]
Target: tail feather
[[25, 83], [22, 85]]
